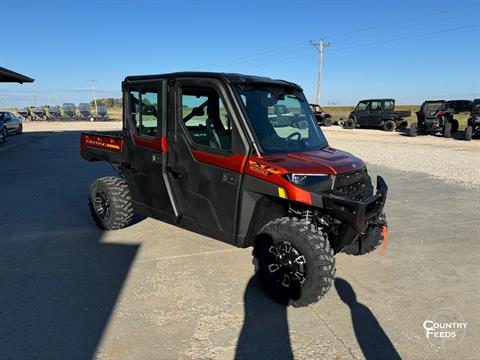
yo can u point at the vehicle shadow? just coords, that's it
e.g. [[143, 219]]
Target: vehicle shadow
[[265, 332], [58, 281], [373, 341]]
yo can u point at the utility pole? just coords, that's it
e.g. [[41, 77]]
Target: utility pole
[[319, 46], [94, 97]]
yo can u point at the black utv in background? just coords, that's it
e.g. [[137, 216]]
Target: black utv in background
[[377, 113], [323, 118], [436, 117], [473, 125]]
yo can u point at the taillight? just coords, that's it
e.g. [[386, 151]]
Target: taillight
[[441, 113]]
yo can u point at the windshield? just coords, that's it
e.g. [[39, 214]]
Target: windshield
[[476, 108], [430, 108], [281, 119]]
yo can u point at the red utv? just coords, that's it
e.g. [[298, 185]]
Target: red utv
[[207, 152]]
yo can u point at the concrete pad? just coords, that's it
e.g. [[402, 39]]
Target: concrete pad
[[154, 291]]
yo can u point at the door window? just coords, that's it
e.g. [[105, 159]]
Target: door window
[[145, 111], [362, 105], [206, 118], [389, 105], [376, 105]]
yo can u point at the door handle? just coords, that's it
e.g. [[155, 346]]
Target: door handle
[[128, 165], [229, 178], [176, 174]]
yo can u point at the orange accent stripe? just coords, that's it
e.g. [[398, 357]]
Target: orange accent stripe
[[155, 143], [164, 144], [233, 162], [314, 162], [384, 244]]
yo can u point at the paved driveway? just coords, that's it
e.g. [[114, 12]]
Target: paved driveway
[[153, 291]]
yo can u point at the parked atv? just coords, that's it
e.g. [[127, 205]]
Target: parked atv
[[208, 152], [473, 125], [323, 118], [436, 117], [377, 113]]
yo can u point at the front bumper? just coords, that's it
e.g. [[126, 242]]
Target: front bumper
[[355, 216]]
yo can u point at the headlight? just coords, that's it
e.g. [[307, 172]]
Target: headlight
[[307, 180]]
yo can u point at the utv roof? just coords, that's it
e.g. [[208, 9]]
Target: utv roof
[[228, 77], [383, 99]]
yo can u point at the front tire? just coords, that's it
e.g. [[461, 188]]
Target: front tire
[[350, 124], [20, 130], [110, 203], [389, 125], [4, 134], [294, 261], [468, 133]]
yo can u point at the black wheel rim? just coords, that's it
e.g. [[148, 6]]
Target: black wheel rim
[[102, 205], [287, 265]]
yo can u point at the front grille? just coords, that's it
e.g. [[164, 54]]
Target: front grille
[[355, 185]]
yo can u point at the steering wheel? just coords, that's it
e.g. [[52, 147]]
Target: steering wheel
[[289, 137]]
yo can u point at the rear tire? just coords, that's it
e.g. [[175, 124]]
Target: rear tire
[[468, 133], [349, 124], [412, 131], [447, 131], [110, 203], [328, 122], [389, 125], [294, 261]]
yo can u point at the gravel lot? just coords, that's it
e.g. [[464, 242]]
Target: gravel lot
[[451, 160]]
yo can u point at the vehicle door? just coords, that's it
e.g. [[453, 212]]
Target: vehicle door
[[144, 149], [206, 156], [361, 113], [10, 122], [375, 113], [16, 121]]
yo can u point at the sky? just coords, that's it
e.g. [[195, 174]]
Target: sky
[[408, 50]]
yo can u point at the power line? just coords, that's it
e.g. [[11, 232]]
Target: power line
[[253, 56], [431, 15], [406, 37], [366, 44]]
